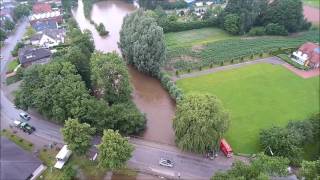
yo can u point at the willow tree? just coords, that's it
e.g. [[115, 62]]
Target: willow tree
[[142, 43], [200, 123]]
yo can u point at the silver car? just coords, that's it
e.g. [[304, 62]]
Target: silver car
[[166, 162], [24, 116]]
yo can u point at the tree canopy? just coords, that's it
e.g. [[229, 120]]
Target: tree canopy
[[3, 35], [142, 43], [78, 136], [20, 11], [263, 167], [114, 150], [110, 77], [200, 123]]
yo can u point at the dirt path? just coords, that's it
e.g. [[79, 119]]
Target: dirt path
[[312, 14], [270, 60]]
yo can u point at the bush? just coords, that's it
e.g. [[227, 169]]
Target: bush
[[101, 29], [257, 31], [276, 29], [15, 51], [170, 86]]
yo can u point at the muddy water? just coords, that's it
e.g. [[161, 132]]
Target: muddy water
[[148, 94]]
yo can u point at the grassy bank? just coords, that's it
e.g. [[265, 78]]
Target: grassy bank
[[313, 3], [257, 96], [192, 50], [12, 65], [26, 145]]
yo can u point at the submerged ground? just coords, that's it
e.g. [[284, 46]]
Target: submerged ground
[[258, 96]]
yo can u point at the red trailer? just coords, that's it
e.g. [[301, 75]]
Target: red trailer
[[225, 148]]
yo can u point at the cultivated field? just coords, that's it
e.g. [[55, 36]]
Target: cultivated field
[[205, 47], [257, 96]]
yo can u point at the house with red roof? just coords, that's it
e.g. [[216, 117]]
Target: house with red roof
[[40, 8], [308, 55]]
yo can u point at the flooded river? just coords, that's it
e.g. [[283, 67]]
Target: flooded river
[[148, 94]]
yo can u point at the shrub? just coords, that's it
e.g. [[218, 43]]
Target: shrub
[[30, 144], [221, 63], [276, 29], [20, 140], [177, 72], [257, 31], [4, 130], [189, 70], [176, 26], [200, 68]]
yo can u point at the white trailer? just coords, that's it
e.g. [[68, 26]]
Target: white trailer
[[62, 157]]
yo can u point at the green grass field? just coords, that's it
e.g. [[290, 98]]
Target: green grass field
[[313, 3], [12, 65], [195, 37], [258, 96]]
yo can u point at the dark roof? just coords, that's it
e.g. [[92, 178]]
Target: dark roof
[[42, 25], [30, 54], [15, 162]]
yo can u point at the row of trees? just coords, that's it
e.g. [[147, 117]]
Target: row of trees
[[240, 16], [289, 141], [114, 150]]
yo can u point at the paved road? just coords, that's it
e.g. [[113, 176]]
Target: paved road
[[146, 154]]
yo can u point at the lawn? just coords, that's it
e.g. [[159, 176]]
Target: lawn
[[313, 3], [195, 37], [257, 96], [12, 65]]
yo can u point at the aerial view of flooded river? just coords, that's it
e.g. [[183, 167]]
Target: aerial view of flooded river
[[148, 94]]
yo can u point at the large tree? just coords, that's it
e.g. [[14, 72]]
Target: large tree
[[200, 123], [142, 42], [20, 11], [114, 150], [110, 77], [232, 23], [310, 170], [8, 25], [288, 13], [247, 11], [78, 136]]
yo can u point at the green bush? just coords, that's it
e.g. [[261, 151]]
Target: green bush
[[257, 31], [276, 29], [175, 26], [170, 86], [15, 51]]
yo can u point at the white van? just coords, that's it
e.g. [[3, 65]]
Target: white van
[[62, 157]]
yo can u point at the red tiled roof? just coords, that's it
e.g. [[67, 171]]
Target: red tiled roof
[[312, 50], [41, 8]]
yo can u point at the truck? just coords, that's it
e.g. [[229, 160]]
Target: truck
[[25, 127]]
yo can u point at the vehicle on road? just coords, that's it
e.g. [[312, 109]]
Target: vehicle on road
[[25, 127], [24, 116], [226, 148], [62, 157], [166, 162]]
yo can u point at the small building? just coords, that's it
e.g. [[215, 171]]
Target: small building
[[43, 25], [39, 8], [48, 38], [29, 56], [308, 55]]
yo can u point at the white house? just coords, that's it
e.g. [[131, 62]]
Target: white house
[[48, 38]]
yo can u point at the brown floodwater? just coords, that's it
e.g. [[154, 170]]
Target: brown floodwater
[[148, 94]]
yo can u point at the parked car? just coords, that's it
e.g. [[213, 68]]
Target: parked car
[[166, 162], [24, 116], [25, 127]]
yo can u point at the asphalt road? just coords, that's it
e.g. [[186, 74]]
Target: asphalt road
[[146, 155]]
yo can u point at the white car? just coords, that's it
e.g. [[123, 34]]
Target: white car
[[166, 162], [24, 116]]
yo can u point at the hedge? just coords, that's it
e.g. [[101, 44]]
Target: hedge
[[294, 64], [170, 86], [175, 26]]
